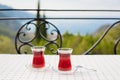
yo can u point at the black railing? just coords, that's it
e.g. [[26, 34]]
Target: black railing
[[65, 10], [20, 32]]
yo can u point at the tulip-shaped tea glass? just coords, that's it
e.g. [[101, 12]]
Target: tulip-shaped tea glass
[[38, 56], [64, 59], [64, 63]]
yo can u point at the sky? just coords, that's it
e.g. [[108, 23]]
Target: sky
[[70, 4], [64, 4], [67, 4]]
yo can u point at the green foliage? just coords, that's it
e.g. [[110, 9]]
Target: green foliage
[[80, 44], [6, 45], [107, 44]]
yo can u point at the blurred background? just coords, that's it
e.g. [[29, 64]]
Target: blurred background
[[76, 33]]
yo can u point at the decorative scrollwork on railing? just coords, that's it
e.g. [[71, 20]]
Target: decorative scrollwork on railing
[[116, 44], [26, 36], [101, 38]]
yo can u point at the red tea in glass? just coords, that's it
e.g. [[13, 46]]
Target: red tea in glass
[[64, 59], [38, 56]]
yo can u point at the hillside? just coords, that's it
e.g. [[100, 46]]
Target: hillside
[[113, 32], [10, 27], [107, 44]]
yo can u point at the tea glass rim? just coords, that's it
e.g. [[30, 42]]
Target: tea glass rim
[[38, 48], [64, 50]]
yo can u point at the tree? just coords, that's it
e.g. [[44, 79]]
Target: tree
[[41, 25]]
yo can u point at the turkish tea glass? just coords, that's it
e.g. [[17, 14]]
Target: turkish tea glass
[[38, 56], [64, 59]]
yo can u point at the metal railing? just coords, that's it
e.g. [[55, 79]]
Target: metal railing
[[56, 29]]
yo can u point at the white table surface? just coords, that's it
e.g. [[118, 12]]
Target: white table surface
[[13, 67]]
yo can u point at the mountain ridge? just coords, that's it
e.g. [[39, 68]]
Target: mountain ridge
[[10, 27], [15, 13]]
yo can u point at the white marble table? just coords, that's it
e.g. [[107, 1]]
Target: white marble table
[[13, 67]]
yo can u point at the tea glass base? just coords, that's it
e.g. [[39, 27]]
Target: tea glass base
[[70, 72], [30, 67]]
